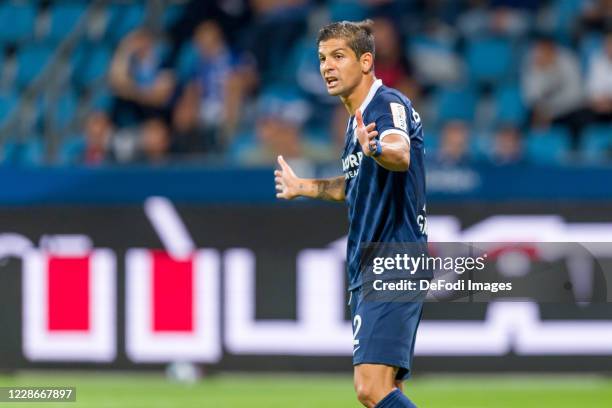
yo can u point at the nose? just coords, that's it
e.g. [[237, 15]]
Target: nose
[[326, 65]]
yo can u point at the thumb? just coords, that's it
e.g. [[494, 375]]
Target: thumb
[[282, 163], [359, 118]]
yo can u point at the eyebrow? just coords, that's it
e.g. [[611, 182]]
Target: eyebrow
[[332, 51]]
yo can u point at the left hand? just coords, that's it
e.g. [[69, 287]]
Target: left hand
[[365, 135]]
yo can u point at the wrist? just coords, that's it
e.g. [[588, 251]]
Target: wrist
[[374, 148], [303, 187]]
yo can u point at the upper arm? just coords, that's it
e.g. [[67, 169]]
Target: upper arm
[[398, 140], [396, 119]]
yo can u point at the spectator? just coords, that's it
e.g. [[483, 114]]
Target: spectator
[[279, 130], [278, 134], [596, 15], [338, 128], [232, 15], [552, 87], [139, 81], [208, 110], [94, 148], [433, 52], [154, 142], [277, 26], [507, 146], [98, 133], [504, 18], [454, 143], [391, 64], [599, 82]]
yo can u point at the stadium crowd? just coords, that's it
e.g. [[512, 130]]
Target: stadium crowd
[[502, 82]]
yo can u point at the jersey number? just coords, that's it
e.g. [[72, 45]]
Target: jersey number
[[357, 326]]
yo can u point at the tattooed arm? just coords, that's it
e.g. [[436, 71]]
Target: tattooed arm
[[289, 186]]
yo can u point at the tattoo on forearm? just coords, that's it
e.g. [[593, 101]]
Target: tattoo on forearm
[[329, 189]]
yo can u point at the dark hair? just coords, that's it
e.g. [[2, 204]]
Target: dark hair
[[358, 35]]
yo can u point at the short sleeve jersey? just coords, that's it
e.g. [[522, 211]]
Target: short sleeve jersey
[[383, 206]]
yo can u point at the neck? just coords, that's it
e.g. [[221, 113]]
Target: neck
[[353, 101]]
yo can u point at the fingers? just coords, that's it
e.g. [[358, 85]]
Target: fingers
[[359, 118], [372, 135], [282, 162], [281, 191]]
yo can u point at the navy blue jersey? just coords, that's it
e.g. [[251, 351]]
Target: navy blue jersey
[[383, 206]]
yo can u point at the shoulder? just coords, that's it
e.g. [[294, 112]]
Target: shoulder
[[389, 101], [391, 110], [386, 95]]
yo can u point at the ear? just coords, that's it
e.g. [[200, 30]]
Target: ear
[[367, 62]]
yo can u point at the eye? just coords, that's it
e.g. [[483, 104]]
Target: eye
[[339, 56]]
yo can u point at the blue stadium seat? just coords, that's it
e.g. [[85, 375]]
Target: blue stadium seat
[[490, 60], [509, 105], [123, 19], [64, 18], [346, 10], [31, 60], [102, 100], [8, 102], [65, 109], [551, 146], [17, 21], [90, 63], [596, 144], [429, 52], [456, 104], [481, 146], [30, 152], [71, 150]]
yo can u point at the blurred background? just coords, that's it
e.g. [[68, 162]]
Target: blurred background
[[145, 259], [159, 82]]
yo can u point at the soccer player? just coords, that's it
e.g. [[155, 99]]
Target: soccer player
[[384, 187]]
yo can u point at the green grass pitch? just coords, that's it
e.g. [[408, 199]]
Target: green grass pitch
[[119, 390]]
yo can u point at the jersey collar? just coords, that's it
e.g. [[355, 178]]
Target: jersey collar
[[373, 88], [377, 84]]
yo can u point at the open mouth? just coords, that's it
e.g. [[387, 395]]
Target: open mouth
[[331, 81]]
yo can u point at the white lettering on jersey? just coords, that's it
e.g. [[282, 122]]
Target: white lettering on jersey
[[416, 116], [399, 116], [350, 165]]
